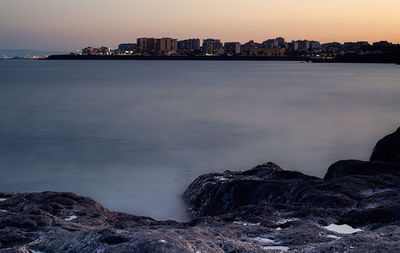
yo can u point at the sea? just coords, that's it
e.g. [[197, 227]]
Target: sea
[[134, 134]]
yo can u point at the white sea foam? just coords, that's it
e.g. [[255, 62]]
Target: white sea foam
[[333, 237], [1, 199], [264, 240], [246, 223], [342, 229], [70, 218], [283, 221], [277, 248]]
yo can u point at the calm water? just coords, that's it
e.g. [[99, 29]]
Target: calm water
[[134, 134]]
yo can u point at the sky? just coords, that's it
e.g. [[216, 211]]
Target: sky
[[75, 24]]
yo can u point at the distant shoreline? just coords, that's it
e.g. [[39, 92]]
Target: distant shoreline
[[224, 58], [177, 58]]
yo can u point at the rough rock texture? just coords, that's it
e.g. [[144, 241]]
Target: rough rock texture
[[264, 209]]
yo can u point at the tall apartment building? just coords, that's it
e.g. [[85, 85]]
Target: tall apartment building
[[232, 48], [166, 46], [153, 46], [147, 45], [212, 46], [189, 45], [301, 45]]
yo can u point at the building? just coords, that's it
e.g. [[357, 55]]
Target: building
[[266, 52], [251, 45], [354, 47], [166, 46], [382, 44], [315, 45], [331, 47], [362, 44], [154, 46], [232, 48], [301, 45], [96, 51], [104, 51], [290, 46], [146, 45], [189, 45], [349, 46], [274, 43], [212, 47], [127, 47], [90, 51]]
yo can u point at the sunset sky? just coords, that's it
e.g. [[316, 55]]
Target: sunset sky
[[74, 24]]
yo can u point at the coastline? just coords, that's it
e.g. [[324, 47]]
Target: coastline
[[354, 208], [176, 58], [351, 59]]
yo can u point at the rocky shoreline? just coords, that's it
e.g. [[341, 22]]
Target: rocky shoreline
[[354, 208]]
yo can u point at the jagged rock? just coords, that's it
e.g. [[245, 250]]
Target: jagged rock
[[388, 149], [355, 167], [264, 209], [218, 193]]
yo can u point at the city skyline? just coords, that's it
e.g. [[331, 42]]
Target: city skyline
[[67, 25]]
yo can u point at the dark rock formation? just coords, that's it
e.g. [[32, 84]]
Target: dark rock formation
[[264, 209], [355, 167], [388, 149]]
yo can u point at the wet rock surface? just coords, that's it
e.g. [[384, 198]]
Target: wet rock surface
[[264, 209]]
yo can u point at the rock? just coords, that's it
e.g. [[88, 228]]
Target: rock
[[355, 167], [264, 209], [218, 193], [388, 149]]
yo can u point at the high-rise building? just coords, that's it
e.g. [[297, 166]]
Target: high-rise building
[[301, 45], [166, 46], [147, 45], [232, 48], [212, 47], [189, 45]]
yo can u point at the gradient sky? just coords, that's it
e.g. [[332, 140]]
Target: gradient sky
[[74, 24]]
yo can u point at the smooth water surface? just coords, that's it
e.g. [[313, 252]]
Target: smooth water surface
[[134, 134]]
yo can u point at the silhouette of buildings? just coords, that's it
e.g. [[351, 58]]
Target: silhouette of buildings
[[270, 47]]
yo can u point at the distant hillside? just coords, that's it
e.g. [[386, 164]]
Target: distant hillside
[[27, 52]]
